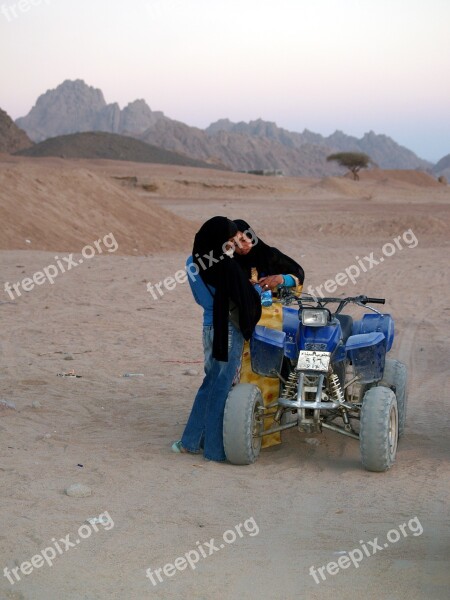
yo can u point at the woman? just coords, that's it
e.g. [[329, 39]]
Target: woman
[[273, 268], [218, 282]]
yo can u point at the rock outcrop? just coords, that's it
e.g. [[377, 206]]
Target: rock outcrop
[[75, 107], [12, 138]]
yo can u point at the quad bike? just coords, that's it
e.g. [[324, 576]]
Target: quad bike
[[333, 374]]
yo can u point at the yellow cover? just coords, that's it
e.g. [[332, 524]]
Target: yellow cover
[[272, 317]]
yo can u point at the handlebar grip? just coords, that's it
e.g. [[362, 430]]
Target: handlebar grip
[[376, 300]]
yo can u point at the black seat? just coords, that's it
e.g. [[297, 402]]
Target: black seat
[[346, 322]]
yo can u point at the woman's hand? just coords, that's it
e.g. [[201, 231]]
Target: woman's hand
[[270, 282]]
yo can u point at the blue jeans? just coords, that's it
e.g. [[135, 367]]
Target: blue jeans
[[205, 423]]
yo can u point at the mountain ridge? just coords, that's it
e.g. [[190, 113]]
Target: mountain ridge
[[75, 107]]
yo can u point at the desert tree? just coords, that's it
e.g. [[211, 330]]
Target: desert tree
[[353, 161]]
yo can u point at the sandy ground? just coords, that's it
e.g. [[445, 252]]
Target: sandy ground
[[310, 501]]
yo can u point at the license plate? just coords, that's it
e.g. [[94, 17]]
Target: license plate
[[313, 360]]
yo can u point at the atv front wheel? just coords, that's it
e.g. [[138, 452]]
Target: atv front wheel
[[242, 424], [378, 434], [395, 377]]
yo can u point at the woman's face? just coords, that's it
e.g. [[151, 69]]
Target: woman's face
[[243, 244], [230, 246]]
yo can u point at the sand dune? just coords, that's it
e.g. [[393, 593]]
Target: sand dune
[[62, 207], [410, 177]]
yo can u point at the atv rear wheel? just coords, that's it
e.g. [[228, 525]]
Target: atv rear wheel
[[242, 424], [395, 377], [378, 434]]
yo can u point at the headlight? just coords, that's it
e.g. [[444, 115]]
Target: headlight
[[315, 317]]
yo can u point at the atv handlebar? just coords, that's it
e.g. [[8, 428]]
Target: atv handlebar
[[342, 302], [358, 300], [374, 301]]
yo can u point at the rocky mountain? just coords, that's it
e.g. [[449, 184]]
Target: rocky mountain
[[76, 107], [242, 152], [12, 138], [386, 153]]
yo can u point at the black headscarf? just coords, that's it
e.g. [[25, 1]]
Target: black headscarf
[[230, 282], [266, 259]]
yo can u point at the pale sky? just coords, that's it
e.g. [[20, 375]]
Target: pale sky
[[352, 65]]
